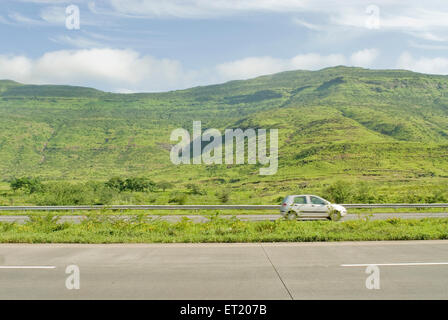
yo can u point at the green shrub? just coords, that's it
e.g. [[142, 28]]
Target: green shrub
[[29, 185], [178, 197], [195, 189], [164, 185], [279, 199], [131, 184], [437, 196], [224, 196], [139, 184], [116, 183], [364, 193], [338, 192], [59, 194]]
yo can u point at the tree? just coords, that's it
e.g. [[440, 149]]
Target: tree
[[165, 185], [139, 184], [116, 183], [224, 196], [131, 184], [29, 185], [339, 192], [194, 189], [178, 197]]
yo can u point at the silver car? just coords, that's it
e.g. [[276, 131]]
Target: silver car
[[308, 206]]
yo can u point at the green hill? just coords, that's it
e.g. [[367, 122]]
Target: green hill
[[17, 90], [382, 130], [8, 84]]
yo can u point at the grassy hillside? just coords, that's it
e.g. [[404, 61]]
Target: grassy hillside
[[383, 132]]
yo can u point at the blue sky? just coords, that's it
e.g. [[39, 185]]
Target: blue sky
[[159, 45]]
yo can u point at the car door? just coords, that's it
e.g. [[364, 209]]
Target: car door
[[302, 204], [299, 202], [318, 206]]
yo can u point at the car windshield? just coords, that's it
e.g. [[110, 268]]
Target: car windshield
[[300, 200], [316, 200]]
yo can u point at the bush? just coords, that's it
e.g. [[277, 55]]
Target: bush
[[224, 196], [60, 194], [178, 197], [116, 183], [413, 197], [29, 185], [139, 184], [194, 189], [164, 185], [131, 184], [338, 192], [279, 199], [364, 194], [438, 196]]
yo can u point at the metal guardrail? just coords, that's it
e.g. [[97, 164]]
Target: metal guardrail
[[396, 205], [210, 207], [142, 207]]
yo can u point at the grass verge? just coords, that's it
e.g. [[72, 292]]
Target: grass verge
[[203, 212], [137, 230]]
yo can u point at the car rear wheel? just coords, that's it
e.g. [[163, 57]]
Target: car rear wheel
[[291, 215]]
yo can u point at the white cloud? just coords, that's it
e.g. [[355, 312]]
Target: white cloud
[[314, 61], [129, 71], [19, 18], [100, 68], [306, 24], [15, 67], [251, 67], [364, 58], [48, 15], [54, 15], [411, 14], [78, 42], [429, 36], [427, 46], [257, 66], [53, 1], [407, 17], [202, 8], [437, 65]]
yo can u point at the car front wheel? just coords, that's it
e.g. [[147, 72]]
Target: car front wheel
[[334, 215]]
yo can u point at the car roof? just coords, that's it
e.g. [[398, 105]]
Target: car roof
[[303, 195]]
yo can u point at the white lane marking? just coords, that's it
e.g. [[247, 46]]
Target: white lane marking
[[396, 264], [27, 267]]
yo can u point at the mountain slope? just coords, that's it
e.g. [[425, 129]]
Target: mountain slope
[[386, 127]]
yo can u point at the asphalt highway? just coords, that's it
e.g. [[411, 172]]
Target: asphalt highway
[[407, 270]]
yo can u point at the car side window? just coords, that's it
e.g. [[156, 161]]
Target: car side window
[[300, 200], [315, 200]]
